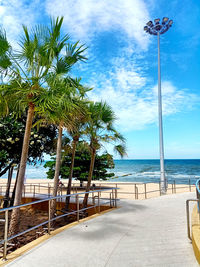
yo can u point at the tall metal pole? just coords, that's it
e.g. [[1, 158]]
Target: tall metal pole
[[162, 168], [158, 28]]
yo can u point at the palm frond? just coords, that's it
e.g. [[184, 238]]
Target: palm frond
[[4, 50], [121, 150]]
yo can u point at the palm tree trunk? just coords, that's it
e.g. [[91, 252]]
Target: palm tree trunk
[[14, 190], [6, 169], [57, 169], [6, 197], [20, 182], [93, 155], [75, 140]]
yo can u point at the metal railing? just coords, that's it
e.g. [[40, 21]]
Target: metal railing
[[112, 201], [188, 208], [137, 190], [198, 192]]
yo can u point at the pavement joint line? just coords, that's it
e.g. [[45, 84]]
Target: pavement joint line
[[110, 255]]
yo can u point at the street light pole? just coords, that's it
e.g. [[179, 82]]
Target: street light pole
[[162, 166], [157, 29]]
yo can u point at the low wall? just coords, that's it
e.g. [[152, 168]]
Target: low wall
[[196, 233], [61, 205]]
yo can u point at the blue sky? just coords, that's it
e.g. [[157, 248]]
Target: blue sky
[[122, 65]]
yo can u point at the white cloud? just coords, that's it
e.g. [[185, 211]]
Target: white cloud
[[135, 101], [86, 18], [14, 13]]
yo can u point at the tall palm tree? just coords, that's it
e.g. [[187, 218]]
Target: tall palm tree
[[69, 105], [27, 69], [75, 132], [100, 130]]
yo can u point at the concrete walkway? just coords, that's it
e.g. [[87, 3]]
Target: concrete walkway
[[150, 232]]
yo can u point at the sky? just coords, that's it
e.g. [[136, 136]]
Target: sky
[[122, 64]]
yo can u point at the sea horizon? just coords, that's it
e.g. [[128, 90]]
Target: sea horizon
[[137, 170]]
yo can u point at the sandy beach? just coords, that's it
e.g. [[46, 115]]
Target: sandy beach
[[125, 190]]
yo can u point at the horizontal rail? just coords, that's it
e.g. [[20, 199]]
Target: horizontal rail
[[57, 197], [113, 199], [139, 188]]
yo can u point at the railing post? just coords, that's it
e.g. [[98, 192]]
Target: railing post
[[77, 206], [49, 216], [99, 202], [174, 186], [135, 191], [5, 236], [145, 190], [115, 197], [160, 188], [110, 200], [189, 185], [92, 192], [34, 191], [188, 219], [48, 191]]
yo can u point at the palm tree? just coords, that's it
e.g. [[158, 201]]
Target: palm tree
[[100, 130], [39, 49], [76, 132], [69, 105]]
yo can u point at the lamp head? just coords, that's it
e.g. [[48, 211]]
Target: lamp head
[[156, 21], [170, 22], [150, 23], [164, 20], [157, 26]]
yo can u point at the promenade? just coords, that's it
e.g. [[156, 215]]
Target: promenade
[[149, 232]]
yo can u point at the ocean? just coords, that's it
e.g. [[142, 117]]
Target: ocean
[[179, 170]]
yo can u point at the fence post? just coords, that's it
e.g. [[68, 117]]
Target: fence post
[[49, 216], [77, 206], [160, 188], [115, 197], [188, 218], [172, 189], [34, 191], [174, 186], [189, 185], [5, 236], [98, 202], [145, 190], [48, 191], [135, 192]]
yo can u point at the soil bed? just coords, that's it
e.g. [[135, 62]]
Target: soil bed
[[30, 217]]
